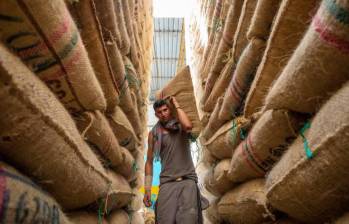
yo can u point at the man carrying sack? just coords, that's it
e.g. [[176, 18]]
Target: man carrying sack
[[179, 199]]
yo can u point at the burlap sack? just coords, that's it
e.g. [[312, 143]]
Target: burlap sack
[[40, 138], [225, 44], [123, 129], [95, 129], [121, 23], [265, 144], [246, 203], [289, 26], [242, 78], [295, 180], [134, 80], [120, 193], [223, 143], [227, 40], [287, 221], [213, 20], [84, 217], [128, 17], [45, 37], [84, 14], [262, 19], [211, 213], [181, 87], [137, 218], [216, 181], [220, 86], [22, 201], [134, 117], [214, 122], [319, 65], [119, 217], [240, 39], [127, 168], [112, 40], [343, 219], [136, 203]]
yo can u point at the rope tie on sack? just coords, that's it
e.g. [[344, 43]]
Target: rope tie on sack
[[102, 208], [308, 151], [228, 55], [123, 83]]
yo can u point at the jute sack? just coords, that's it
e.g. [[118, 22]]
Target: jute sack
[[121, 23], [226, 41], [135, 117], [137, 201], [265, 144], [325, 175], [134, 80], [262, 19], [289, 26], [181, 87], [137, 218], [85, 16], [246, 203], [220, 86], [111, 36], [119, 195], [214, 122], [242, 78], [319, 65], [123, 129], [84, 217], [44, 36], [227, 138], [40, 138], [128, 17], [25, 202], [240, 39], [213, 22], [343, 219], [95, 129], [119, 217], [287, 221], [216, 181], [211, 213]]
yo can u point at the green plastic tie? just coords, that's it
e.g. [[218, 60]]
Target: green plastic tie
[[308, 151]]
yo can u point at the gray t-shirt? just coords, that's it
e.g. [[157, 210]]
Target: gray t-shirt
[[176, 160]]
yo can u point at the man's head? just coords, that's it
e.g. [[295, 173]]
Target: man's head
[[162, 110]]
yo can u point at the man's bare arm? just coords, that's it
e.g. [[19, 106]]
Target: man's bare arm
[[148, 172], [182, 116]]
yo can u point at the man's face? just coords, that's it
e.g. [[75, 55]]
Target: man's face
[[163, 113]]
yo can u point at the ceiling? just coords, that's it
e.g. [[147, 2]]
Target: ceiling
[[168, 52]]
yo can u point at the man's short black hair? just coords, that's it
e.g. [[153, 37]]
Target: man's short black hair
[[159, 103]]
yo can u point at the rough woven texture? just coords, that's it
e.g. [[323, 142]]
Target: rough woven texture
[[214, 122], [220, 86], [123, 129], [16, 191], [245, 204], [40, 138], [319, 65], [216, 181], [181, 87], [84, 217], [240, 39], [121, 23], [119, 217], [223, 143], [95, 129], [136, 203], [262, 19], [295, 181], [136, 218], [85, 16], [43, 34], [265, 144], [120, 193], [241, 80], [289, 27]]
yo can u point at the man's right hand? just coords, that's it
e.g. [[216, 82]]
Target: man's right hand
[[147, 198]]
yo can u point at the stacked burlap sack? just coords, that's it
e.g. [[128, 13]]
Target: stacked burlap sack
[[74, 77], [275, 127]]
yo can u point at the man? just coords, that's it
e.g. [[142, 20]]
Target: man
[[179, 197]]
